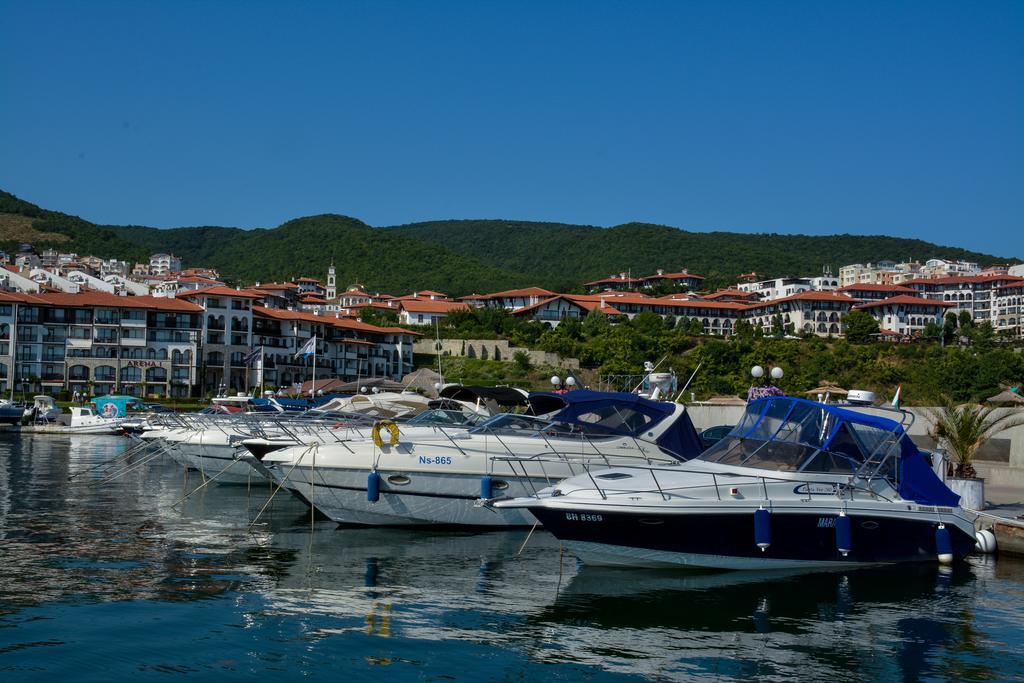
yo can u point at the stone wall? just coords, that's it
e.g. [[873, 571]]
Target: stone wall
[[491, 349]]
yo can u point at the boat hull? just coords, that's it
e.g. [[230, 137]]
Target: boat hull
[[726, 540], [423, 499], [223, 463]]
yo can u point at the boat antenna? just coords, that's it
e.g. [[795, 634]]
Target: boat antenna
[[687, 385]]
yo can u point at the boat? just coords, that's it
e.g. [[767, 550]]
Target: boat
[[48, 418], [242, 428], [11, 413], [795, 484], [437, 476]]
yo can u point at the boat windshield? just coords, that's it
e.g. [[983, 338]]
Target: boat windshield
[[449, 418], [793, 435], [527, 425]]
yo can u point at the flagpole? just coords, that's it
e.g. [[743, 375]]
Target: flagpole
[[312, 391], [262, 350]]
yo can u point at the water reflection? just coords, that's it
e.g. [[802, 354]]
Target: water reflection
[[426, 603]]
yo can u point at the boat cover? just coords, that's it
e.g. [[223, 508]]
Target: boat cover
[[503, 396], [627, 414], [917, 480], [113, 405]]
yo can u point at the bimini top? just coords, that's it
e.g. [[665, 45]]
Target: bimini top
[[625, 414], [784, 433], [503, 396]]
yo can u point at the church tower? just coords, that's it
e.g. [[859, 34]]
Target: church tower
[[332, 289]]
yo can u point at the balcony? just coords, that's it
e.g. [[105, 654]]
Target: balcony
[[132, 322], [75, 343], [133, 341]]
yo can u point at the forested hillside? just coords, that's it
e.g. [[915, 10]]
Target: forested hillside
[[459, 257]]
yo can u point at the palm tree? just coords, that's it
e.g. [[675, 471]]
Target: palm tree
[[968, 427]]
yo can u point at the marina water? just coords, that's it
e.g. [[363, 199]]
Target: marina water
[[120, 579]]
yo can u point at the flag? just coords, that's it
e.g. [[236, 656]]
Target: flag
[[308, 349], [896, 398], [253, 356]]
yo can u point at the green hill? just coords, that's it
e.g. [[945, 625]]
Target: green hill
[[461, 256]]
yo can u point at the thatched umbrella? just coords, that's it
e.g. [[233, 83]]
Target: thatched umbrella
[[827, 388], [1006, 397]]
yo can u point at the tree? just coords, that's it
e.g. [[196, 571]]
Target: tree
[[966, 428], [983, 336], [931, 332], [859, 327], [377, 316], [949, 328], [743, 329], [966, 321], [595, 324], [778, 327], [522, 361], [648, 323]]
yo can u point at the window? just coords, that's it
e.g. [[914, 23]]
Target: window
[[131, 374], [156, 375]]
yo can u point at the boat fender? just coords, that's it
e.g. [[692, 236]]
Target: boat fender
[[844, 534], [373, 487], [985, 542], [762, 529], [943, 544], [392, 429], [486, 490]]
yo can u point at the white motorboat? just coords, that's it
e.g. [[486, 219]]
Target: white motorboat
[[795, 484], [81, 420], [436, 476]]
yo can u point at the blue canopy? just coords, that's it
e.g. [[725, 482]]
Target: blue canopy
[[113, 406], [768, 418], [629, 415]]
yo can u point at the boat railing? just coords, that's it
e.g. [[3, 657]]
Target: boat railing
[[715, 480]]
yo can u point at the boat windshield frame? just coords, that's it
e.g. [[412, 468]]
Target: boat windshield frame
[[516, 424], [783, 434], [445, 417]]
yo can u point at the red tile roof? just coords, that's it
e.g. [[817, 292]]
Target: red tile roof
[[870, 287], [612, 280], [903, 300], [586, 303], [221, 290], [674, 276], [428, 306], [343, 323], [103, 300], [527, 291], [274, 286]]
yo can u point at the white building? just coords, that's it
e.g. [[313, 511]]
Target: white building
[[782, 287], [426, 312], [162, 264]]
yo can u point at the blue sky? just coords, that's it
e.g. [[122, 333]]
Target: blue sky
[[900, 118]]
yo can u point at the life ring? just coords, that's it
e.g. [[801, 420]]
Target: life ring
[[392, 429]]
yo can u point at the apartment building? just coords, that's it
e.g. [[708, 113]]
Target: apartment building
[[195, 344], [971, 293], [346, 348], [162, 264], [98, 342], [904, 314]]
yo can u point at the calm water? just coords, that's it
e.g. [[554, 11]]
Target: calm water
[[102, 580]]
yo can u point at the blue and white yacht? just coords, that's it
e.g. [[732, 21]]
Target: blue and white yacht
[[795, 484]]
